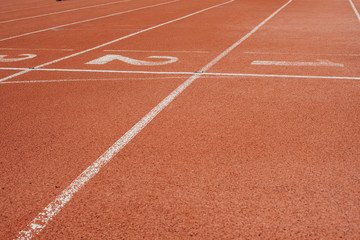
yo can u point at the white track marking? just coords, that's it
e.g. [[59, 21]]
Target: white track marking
[[319, 63], [71, 10], [109, 58], [37, 49], [355, 10], [3, 58], [114, 41], [187, 73], [153, 51], [92, 71], [88, 20], [40, 222], [244, 38], [92, 80], [309, 54]]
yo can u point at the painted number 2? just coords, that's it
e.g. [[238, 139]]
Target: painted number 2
[[110, 58]]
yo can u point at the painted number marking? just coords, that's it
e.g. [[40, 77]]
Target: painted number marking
[[109, 58], [25, 57], [318, 63]]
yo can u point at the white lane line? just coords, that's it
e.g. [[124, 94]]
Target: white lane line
[[113, 41], [37, 49], [318, 63], [355, 10], [187, 73], [92, 80], [92, 71], [154, 51], [71, 10], [306, 54], [88, 20], [244, 38], [55, 206]]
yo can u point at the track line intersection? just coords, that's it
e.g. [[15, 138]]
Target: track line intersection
[[301, 41], [54, 131]]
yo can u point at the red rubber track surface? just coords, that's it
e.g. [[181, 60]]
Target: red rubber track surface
[[232, 157]]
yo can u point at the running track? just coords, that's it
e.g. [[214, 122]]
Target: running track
[[179, 119]]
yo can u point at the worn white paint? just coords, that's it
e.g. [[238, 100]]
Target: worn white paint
[[110, 57], [318, 63], [4, 58]]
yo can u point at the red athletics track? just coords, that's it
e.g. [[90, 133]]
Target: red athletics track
[[263, 144]]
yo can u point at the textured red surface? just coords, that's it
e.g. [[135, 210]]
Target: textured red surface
[[230, 158]]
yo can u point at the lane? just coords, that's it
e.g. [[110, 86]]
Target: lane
[[73, 9], [327, 46], [24, 8], [20, 3], [27, 8], [14, 30]]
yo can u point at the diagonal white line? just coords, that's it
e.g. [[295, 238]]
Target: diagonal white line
[[111, 42], [87, 20], [205, 74], [55, 206], [355, 10], [70, 10]]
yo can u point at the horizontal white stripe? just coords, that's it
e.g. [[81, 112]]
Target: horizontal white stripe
[[91, 79], [152, 51], [187, 73], [309, 54], [37, 49], [319, 63]]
